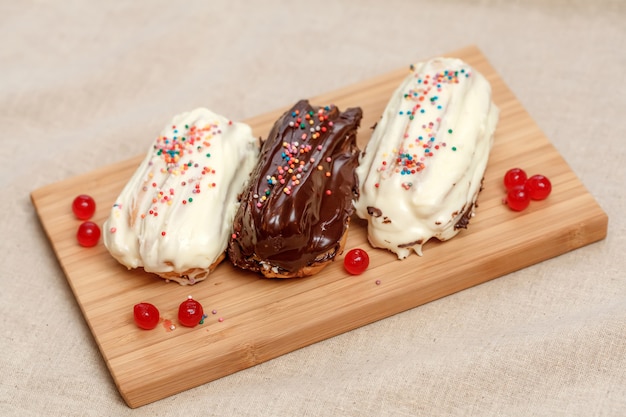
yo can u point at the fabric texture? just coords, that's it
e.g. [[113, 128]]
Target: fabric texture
[[85, 84]]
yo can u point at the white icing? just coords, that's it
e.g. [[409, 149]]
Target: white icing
[[176, 212], [443, 108]]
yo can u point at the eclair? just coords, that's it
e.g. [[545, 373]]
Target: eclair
[[295, 213], [174, 216], [422, 170]]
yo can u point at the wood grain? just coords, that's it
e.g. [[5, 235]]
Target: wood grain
[[264, 318]]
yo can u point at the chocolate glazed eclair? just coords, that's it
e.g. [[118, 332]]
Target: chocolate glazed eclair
[[294, 215]]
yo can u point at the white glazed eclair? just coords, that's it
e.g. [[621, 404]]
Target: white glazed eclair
[[174, 217], [422, 169]]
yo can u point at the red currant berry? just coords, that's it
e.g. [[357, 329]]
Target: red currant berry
[[356, 261], [190, 312], [538, 187], [83, 207], [146, 316], [517, 198], [514, 177], [88, 234]]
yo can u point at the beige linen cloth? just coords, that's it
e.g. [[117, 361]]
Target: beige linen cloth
[[86, 84]]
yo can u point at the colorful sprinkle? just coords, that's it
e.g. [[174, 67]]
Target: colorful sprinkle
[[427, 99], [168, 326], [299, 155], [184, 151]]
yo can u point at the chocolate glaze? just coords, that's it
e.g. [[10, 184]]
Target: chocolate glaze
[[289, 222], [374, 212], [465, 218], [463, 222]]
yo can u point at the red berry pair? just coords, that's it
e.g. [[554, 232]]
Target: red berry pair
[[521, 189], [147, 316], [88, 233]]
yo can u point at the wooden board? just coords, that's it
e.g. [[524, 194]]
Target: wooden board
[[263, 319]]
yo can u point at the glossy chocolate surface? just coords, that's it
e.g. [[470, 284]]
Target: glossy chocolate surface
[[299, 200]]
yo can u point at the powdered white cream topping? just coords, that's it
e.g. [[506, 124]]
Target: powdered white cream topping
[[175, 215], [422, 169]]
